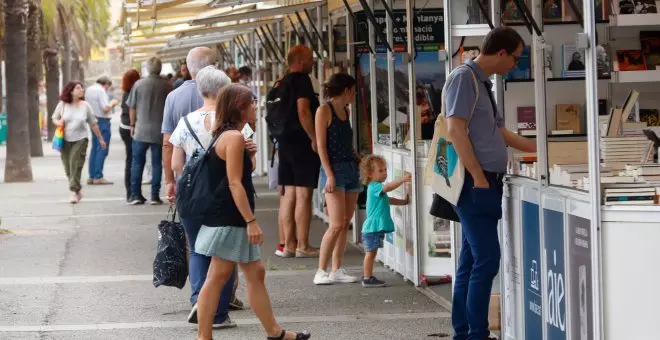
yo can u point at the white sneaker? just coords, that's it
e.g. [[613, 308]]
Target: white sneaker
[[322, 278], [341, 276]]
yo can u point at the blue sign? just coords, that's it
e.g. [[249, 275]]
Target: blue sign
[[533, 301], [553, 224]]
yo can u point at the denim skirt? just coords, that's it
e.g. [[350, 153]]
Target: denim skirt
[[227, 243]]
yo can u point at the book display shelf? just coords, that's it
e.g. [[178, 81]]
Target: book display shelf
[[581, 217]]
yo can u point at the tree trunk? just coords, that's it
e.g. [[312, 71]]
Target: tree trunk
[[34, 75], [17, 167], [75, 67], [66, 46], [2, 53], [52, 86]]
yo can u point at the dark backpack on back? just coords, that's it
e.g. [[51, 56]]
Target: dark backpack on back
[[281, 109], [193, 190]]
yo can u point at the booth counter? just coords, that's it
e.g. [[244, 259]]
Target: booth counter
[[546, 265]]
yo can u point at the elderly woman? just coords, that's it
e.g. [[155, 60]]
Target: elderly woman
[[188, 140], [75, 114]]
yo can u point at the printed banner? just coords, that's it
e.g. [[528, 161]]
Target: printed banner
[[553, 225], [429, 30], [580, 272]]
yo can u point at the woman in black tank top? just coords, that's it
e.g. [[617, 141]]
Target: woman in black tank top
[[339, 175], [230, 233]]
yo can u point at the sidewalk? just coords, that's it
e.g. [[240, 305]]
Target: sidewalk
[[84, 272]]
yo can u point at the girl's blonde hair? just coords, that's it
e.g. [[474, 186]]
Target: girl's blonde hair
[[368, 166]]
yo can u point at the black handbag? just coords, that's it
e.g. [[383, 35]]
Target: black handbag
[[171, 262], [441, 208]]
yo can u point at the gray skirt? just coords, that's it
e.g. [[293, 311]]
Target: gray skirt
[[227, 243]]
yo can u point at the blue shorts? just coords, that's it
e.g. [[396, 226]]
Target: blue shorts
[[347, 177], [372, 241]]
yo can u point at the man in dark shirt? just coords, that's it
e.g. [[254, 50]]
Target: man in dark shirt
[[146, 103], [299, 164]]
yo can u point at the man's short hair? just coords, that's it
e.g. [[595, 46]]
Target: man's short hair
[[296, 53], [501, 38], [198, 58], [104, 80], [245, 71], [154, 66]]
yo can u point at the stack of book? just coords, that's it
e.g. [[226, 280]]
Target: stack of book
[[646, 173], [634, 129], [617, 152], [523, 164], [633, 194], [584, 182], [572, 175]]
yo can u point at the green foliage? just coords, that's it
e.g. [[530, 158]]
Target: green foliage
[[86, 21]]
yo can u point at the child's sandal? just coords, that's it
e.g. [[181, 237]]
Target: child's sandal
[[299, 336]]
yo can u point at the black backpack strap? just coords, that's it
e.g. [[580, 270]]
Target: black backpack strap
[[185, 119], [212, 144]]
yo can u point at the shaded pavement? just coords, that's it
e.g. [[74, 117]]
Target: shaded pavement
[[84, 272]]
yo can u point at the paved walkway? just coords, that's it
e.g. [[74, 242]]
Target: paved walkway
[[84, 272]]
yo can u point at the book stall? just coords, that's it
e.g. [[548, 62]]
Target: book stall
[[376, 36], [581, 217]]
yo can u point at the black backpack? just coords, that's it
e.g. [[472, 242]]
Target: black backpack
[[193, 190], [281, 109]]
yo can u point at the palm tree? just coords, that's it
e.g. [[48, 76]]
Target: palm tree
[[2, 38], [34, 75], [17, 167], [68, 24]]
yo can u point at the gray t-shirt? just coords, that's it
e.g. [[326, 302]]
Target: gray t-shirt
[[97, 97], [148, 99], [76, 119], [484, 128]]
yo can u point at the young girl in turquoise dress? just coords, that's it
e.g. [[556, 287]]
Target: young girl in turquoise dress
[[373, 173]]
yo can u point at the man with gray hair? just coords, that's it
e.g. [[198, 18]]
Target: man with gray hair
[[97, 96], [146, 102], [180, 102]]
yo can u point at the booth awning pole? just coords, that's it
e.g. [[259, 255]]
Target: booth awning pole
[[378, 29], [350, 12], [274, 40], [266, 42], [316, 31], [293, 28], [308, 36], [247, 49]]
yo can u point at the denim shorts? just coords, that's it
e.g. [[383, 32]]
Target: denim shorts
[[347, 177], [372, 241]]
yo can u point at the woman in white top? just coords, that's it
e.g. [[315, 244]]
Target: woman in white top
[[210, 81], [75, 114]]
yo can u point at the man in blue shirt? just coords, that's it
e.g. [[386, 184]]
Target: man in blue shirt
[[476, 128], [97, 96], [179, 103]]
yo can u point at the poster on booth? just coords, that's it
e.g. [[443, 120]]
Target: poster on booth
[[580, 289], [512, 276], [533, 301], [553, 224], [430, 75]]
